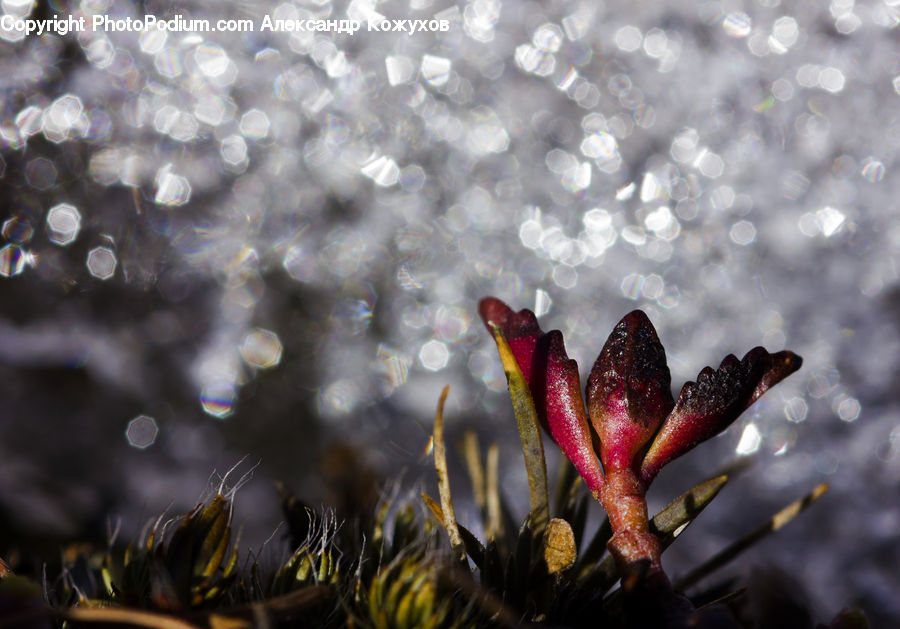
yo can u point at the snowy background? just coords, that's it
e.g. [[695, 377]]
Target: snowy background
[[262, 243]]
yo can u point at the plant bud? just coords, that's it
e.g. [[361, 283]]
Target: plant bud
[[628, 391]]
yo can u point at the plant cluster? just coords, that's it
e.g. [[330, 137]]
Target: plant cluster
[[393, 569]]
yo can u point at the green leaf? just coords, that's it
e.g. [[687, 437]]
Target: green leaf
[[668, 523], [529, 431]]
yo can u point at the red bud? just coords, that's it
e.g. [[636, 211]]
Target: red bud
[[520, 329], [629, 391]]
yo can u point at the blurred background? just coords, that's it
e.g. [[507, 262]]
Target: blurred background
[[269, 246]]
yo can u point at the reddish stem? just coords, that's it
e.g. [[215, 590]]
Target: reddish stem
[[623, 498]]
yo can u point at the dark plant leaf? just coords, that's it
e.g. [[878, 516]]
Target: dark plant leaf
[[405, 530], [567, 485], [474, 548], [296, 514], [492, 575], [600, 577], [708, 406], [483, 597], [594, 549], [628, 391], [524, 548], [578, 518], [723, 592]]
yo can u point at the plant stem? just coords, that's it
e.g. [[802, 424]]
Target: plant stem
[[623, 498]]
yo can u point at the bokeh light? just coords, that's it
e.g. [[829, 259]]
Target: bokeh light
[[434, 355], [218, 399], [12, 260], [261, 348], [63, 223], [141, 432], [305, 221], [101, 262]]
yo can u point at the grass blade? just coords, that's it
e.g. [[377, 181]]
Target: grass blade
[[494, 525], [440, 465], [773, 524], [472, 455]]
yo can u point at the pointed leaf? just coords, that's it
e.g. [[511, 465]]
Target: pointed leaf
[[774, 523], [529, 432], [405, 529], [296, 514], [579, 519], [440, 465], [714, 598], [670, 522], [519, 563], [215, 517], [492, 571], [520, 329], [709, 405], [628, 391], [557, 393]]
